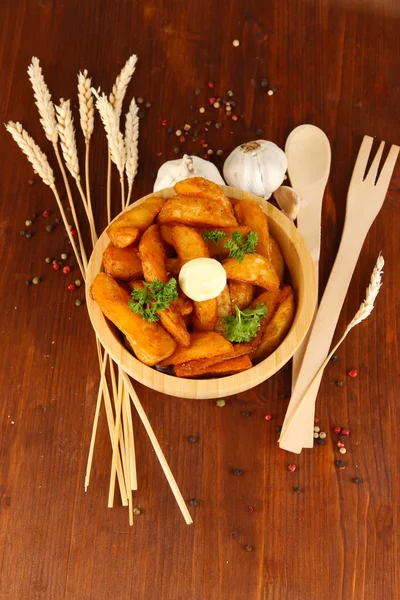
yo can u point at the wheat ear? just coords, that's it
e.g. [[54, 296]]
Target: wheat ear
[[121, 83], [131, 143], [115, 138], [43, 100], [86, 104], [36, 157], [67, 137], [363, 312]]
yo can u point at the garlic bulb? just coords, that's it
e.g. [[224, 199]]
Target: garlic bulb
[[258, 167], [189, 166], [289, 201]]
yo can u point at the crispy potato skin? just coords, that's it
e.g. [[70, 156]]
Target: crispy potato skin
[[189, 243], [199, 187], [278, 327], [226, 367], [277, 258], [127, 229], [122, 263], [172, 265], [153, 256], [241, 294], [200, 212], [150, 342], [202, 344], [251, 214], [235, 351], [255, 269], [224, 307], [205, 315]]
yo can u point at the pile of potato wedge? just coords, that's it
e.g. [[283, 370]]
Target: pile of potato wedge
[[153, 240]]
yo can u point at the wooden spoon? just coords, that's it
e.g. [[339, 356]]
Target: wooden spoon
[[309, 159]]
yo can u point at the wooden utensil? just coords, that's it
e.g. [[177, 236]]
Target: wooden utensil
[[309, 160], [364, 201]]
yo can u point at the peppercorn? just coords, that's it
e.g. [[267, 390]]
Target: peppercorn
[[229, 93], [278, 429], [337, 430], [187, 127], [197, 91], [235, 43], [31, 181], [194, 502], [219, 152], [297, 490], [22, 232], [210, 151], [78, 302], [334, 358], [47, 260], [148, 104], [342, 450], [250, 509], [56, 266], [340, 464], [218, 125], [237, 472], [339, 383], [321, 441], [234, 117], [264, 82], [322, 435], [28, 223], [220, 403], [192, 439], [170, 130], [71, 287], [163, 122], [270, 93], [317, 429], [352, 373], [36, 280], [191, 106], [64, 256], [196, 122], [28, 235], [28, 282], [66, 270], [316, 435], [342, 437], [202, 109], [137, 511], [249, 548], [346, 432], [141, 114], [292, 468], [46, 213], [74, 232], [267, 417], [259, 131], [246, 413], [140, 100], [78, 282], [358, 480], [340, 444], [50, 228]]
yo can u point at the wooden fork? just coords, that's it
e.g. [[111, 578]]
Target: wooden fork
[[365, 198]]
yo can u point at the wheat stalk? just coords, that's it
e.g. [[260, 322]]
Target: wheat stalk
[[67, 137], [43, 100], [86, 105], [115, 138], [131, 143], [363, 312], [121, 83], [36, 157]]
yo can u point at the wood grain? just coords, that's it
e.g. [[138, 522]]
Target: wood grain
[[335, 64]]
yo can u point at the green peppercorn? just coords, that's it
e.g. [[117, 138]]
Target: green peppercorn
[[220, 403], [78, 282], [28, 235], [322, 435], [36, 280], [192, 439], [47, 260], [78, 302]]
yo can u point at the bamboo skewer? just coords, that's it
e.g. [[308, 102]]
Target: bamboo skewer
[[157, 449], [115, 442], [125, 403], [132, 456]]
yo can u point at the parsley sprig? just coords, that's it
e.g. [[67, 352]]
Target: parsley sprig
[[241, 244], [153, 297], [245, 325], [214, 235]]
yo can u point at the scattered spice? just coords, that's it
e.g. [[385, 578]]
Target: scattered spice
[[192, 439], [148, 104], [163, 122], [36, 280], [159, 154], [216, 105], [78, 282], [278, 429], [47, 260], [140, 100], [78, 302], [316, 435], [249, 548], [31, 181], [218, 125], [74, 232], [22, 232], [28, 223], [220, 403], [316, 429], [210, 85], [334, 358], [194, 502], [259, 131], [297, 490], [28, 235], [321, 441], [353, 372], [322, 435], [237, 472], [264, 82], [270, 92], [197, 91], [219, 152], [178, 132], [235, 43], [46, 213], [357, 480], [71, 287], [234, 117], [342, 450], [137, 511], [292, 468], [342, 437], [28, 282], [250, 509], [340, 464], [187, 127], [66, 270], [229, 93], [337, 430], [50, 228], [345, 432], [339, 383], [202, 109], [56, 266], [246, 413], [340, 444], [64, 256], [268, 417], [170, 130], [177, 150]]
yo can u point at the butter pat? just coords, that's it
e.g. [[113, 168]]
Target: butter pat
[[202, 279]]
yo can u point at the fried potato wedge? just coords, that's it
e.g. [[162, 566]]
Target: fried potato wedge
[[200, 212], [125, 230], [199, 187], [226, 367], [166, 233], [172, 265], [276, 258], [235, 351], [278, 327], [217, 250], [184, 305], [241, 294], [202, 344], [205, 315], [224, 307], [251, 214], [122, 263], [150, 342], [188, 243], [255, 269], [153, 256]]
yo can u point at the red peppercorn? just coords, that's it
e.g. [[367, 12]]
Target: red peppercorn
[[345, 431], [71, 287], [268, 417], [74, 232], [316, 420], [56, 266], [211, 100], [66, 270], [205, 156], [251, 509], [337, 430], [210, 85], [159, 153], [292, 468], [163, 122], [353, 373], [234, 118], [340, 444], [46, 213]]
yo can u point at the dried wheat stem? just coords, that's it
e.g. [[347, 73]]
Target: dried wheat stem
[[363, 312], [121, 83], [109, 187], [87, 181], [43, 100], [80, 262], [115, 138], [36, 157], [131, 143]]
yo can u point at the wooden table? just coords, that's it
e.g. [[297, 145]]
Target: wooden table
[[334, 64]]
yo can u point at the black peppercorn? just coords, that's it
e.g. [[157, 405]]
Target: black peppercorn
[[278, 429], [237, 472], [192, 439], [193, 502], [320, 441], [343, 438], [259, 131], [169, 130], [297, 490], [339, 383], [334, 358], [357, 480], [177, 150], [246, 413], [264, 82], [339, 464]]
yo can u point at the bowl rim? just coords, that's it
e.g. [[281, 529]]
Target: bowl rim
[[222, 386]]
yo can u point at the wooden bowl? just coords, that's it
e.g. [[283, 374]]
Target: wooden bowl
[[299, 262]]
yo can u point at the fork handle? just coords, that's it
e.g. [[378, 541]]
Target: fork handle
[[298, 423]]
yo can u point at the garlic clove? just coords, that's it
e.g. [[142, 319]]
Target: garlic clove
[[288, 200], [182, 168]]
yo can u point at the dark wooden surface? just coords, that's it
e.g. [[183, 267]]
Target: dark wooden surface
[[335, 64]]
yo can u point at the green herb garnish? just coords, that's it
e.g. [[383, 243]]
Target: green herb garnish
[[153, 297], [246, 324], [241, 244], [214, 235]]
